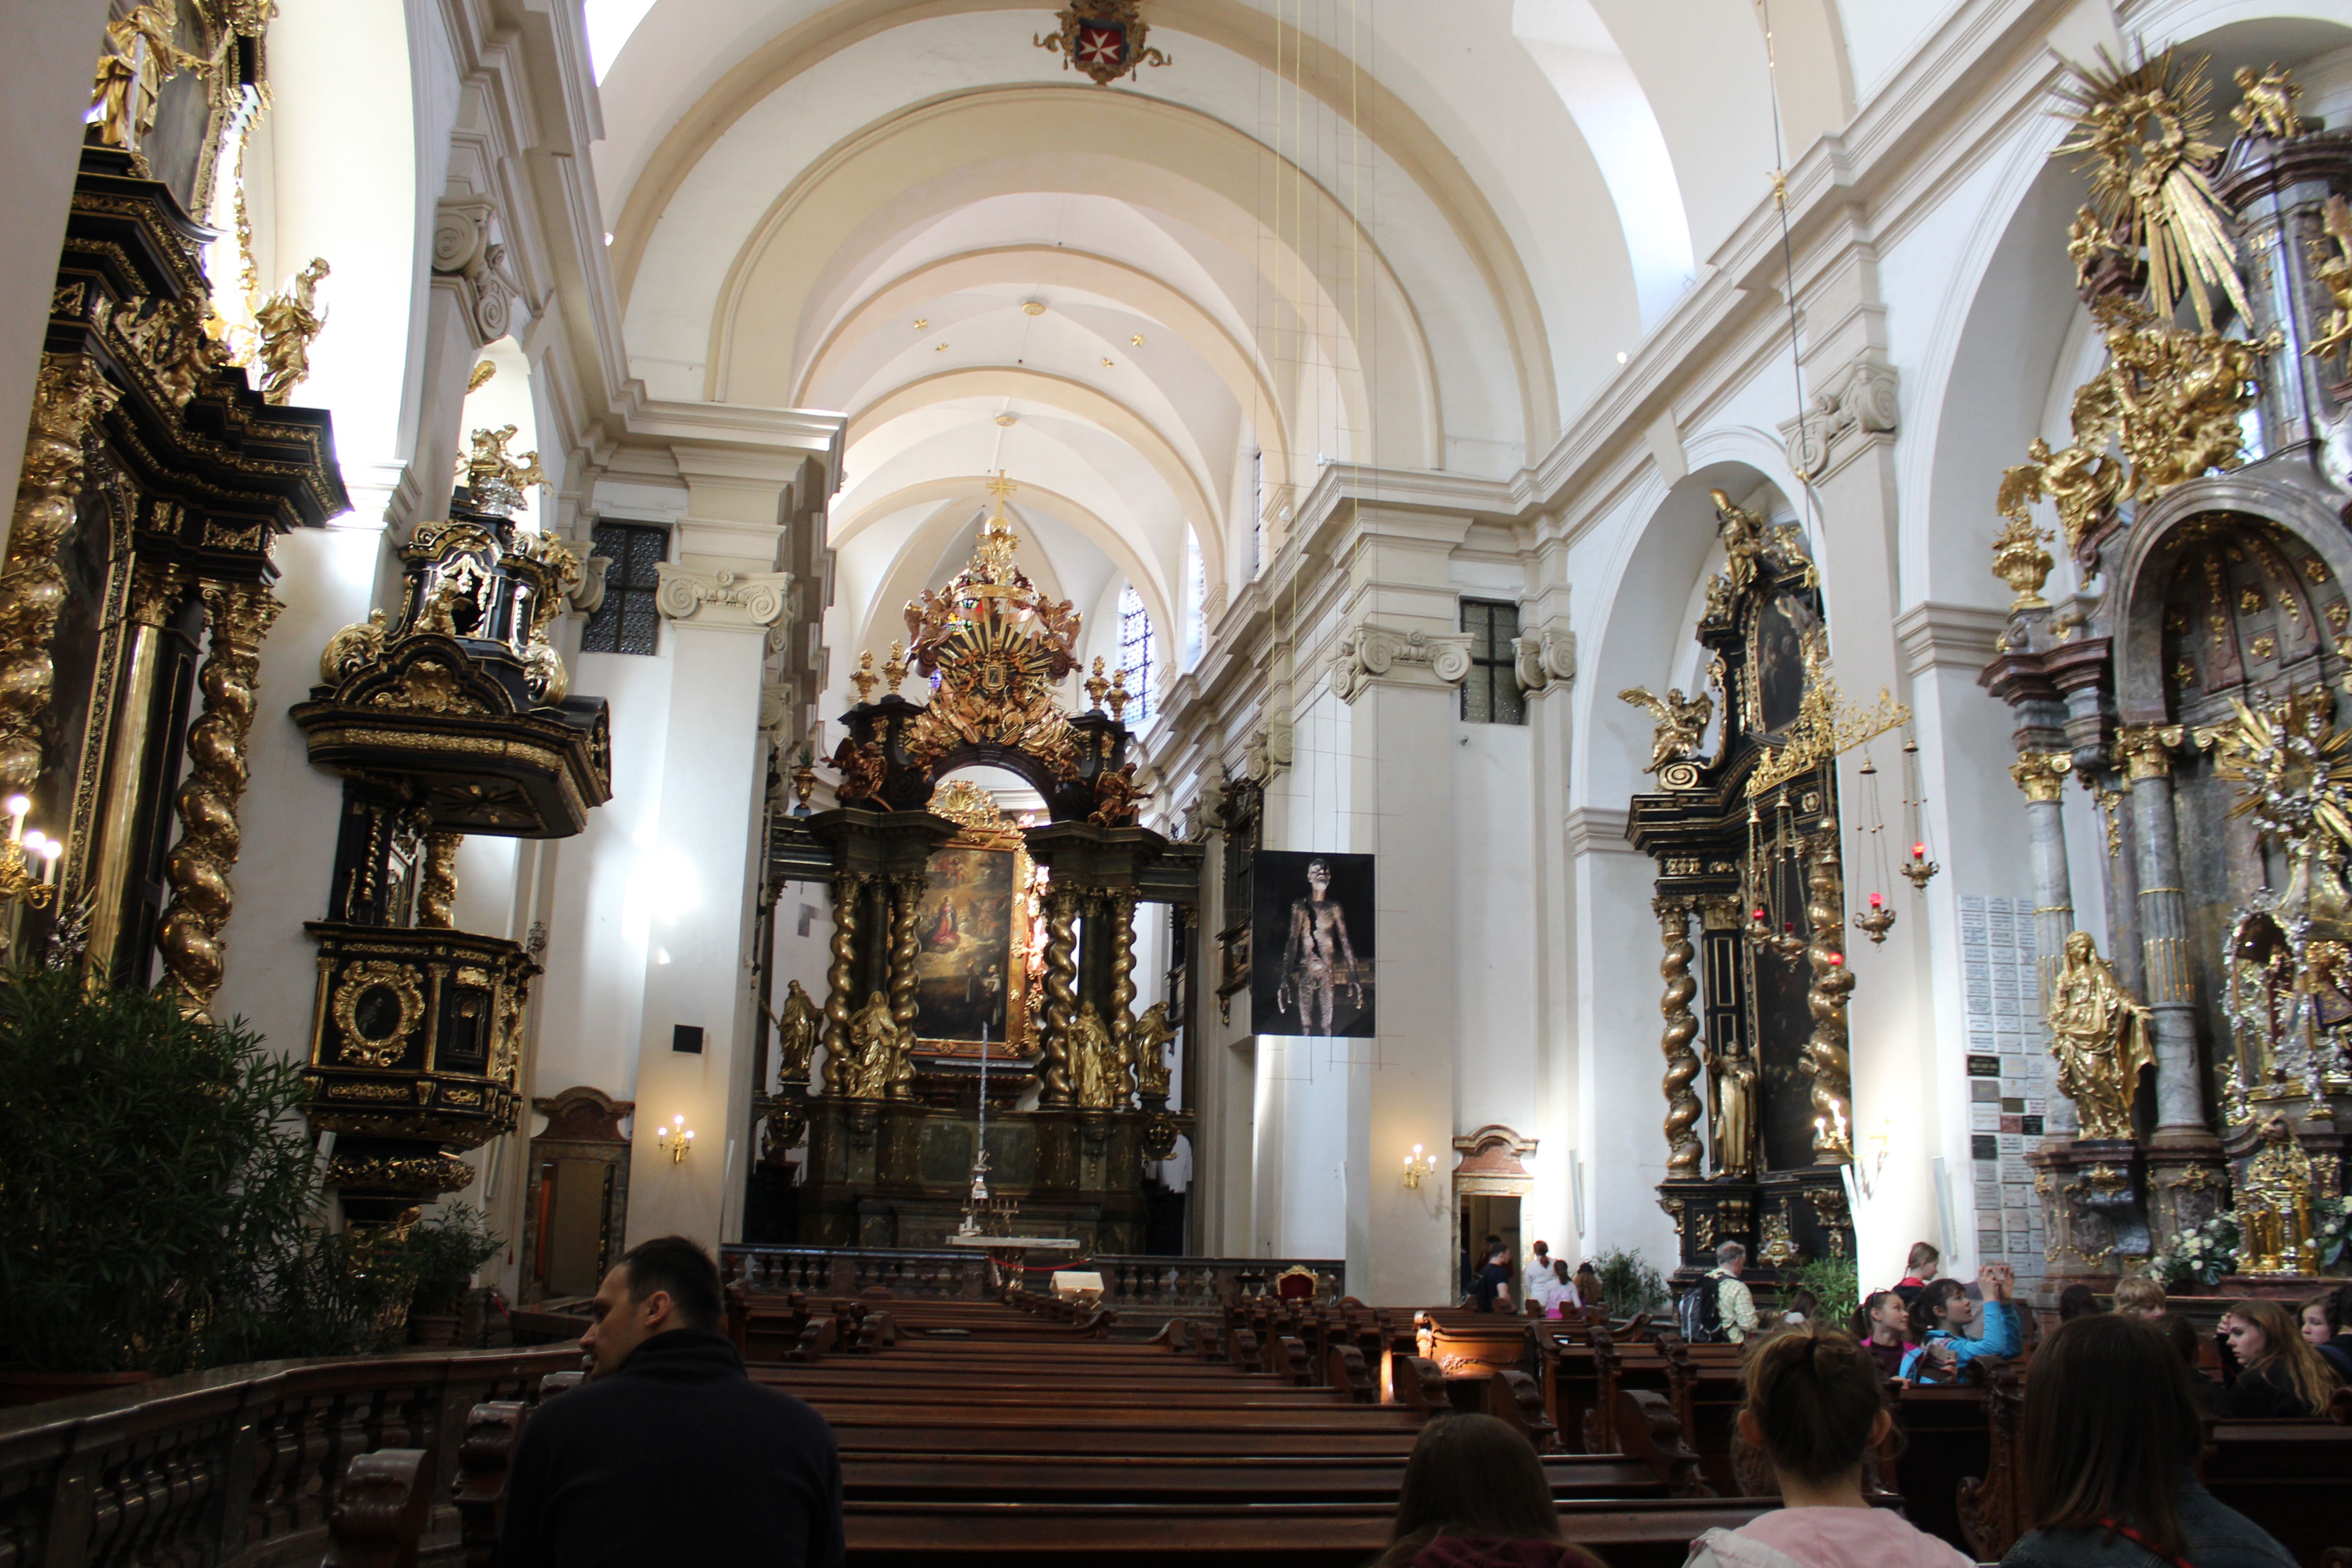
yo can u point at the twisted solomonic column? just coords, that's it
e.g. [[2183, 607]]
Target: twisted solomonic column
[[906, 892], [1061, 993], [848, 887], [1119, 907], [436, 889], [71, 394], [190, 932], [1685, 1155], [1825, 1059]]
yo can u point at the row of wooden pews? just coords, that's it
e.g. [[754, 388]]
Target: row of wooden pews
[[985, 1432]]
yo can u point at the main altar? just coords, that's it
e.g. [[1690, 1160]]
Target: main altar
[[2191, 689], [977, 1048]]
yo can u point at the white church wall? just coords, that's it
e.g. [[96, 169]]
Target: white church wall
[[1494, 955], [611, 881], [292, 811]]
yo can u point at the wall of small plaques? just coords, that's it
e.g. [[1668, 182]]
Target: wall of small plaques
[[2009, 1087]]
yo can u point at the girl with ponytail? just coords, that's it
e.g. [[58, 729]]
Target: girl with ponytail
[[1816, 1406]]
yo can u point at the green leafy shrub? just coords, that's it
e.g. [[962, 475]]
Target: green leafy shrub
[[1630, 1283], [443, 1252], [1835, 1285], [159, 1197]]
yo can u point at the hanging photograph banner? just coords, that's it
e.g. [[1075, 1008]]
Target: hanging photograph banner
[[1311, 940]]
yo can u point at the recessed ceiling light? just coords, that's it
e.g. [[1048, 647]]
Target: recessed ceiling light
[[1032, 307], [1621, 356]]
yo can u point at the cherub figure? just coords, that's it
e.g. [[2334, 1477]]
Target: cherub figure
[[2268, 108], [1680, 721]]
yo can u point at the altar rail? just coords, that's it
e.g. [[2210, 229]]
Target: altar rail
[[1129, 1279], [238, 1466]]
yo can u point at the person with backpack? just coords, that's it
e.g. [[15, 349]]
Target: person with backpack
[[1720, 1309]]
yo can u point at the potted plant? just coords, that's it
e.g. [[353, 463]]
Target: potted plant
[[157, 1191], [441, 1254]]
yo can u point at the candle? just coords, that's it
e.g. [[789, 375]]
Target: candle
[[17, 806], [50, 850], [1836, 959], [1877, 900], [1918, 851]]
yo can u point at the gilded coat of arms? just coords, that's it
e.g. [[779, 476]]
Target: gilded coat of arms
[[1103, 39]]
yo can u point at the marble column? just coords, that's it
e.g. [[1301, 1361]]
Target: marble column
[[2146, 750], [2041, 775]]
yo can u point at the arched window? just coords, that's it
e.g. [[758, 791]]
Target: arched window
[[1136, 653]]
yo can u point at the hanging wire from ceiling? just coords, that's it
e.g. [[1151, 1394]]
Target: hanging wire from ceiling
[[1787, 256]]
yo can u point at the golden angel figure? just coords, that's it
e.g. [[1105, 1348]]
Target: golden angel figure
[[1681, 722], [2099, 1036]]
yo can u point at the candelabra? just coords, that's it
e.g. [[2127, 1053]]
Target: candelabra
[[28, 861], [678, 1138], [1417, 1165]]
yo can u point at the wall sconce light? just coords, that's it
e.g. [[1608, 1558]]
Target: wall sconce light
[[28, 860], [678, 1138], [1417, 1165]]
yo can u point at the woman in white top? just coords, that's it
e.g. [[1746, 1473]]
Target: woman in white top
[[1538, 1270], [1554, 1291]]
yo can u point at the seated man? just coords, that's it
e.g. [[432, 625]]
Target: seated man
[[670, 1454], [1943, 1315]]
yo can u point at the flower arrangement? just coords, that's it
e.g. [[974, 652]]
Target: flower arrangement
[[2203, 1252], [2331, 1230]]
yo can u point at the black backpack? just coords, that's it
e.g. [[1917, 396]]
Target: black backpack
[[1700, 1311]]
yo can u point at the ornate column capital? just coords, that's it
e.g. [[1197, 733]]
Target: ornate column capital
[[1371, 652], [467, 258], [1850, 412], [722, 600], [2146, 749], [1545, 656], [2041, 774]]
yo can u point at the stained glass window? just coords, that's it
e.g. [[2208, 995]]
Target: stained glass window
[[1136, 653]]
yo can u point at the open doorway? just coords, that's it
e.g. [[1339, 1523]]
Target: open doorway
[[1483, 1215]]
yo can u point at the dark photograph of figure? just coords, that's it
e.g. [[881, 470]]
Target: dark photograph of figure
[[1311, 941]]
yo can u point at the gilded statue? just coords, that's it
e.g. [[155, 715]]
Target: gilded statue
[[1149, 1043], [2099, 1036], [798, 1027], [879, 1066], [1733, 1071], [2274, 1205], [1099, 1077], [289, 323], [2333, 273], [2268, 107], [142, 53], [1681, 722]]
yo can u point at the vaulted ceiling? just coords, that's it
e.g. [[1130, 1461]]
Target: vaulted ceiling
[[1388, 231]]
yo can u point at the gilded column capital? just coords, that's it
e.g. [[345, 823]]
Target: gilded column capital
[[2041, 774], [158, 589], [722, 600], [2146, 749]]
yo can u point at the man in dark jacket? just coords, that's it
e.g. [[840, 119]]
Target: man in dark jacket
[[670, 1453]]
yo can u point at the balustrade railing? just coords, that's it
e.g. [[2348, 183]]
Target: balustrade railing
[[239, 1467], [1129, 1279]]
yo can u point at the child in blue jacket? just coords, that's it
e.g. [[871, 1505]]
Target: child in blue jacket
[[1944, 1315]]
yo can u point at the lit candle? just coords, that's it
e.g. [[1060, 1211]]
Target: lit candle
[[17, 806], [1918, 851], [1836, 959], [50, 850], [1877, 900]]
